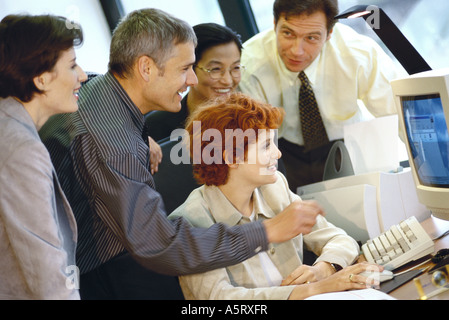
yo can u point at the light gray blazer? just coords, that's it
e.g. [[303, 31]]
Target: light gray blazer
[[37, 228]]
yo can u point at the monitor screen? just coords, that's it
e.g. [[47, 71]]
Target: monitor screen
[[428, 138]]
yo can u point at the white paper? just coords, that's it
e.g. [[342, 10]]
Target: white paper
[[363, 294], [396, 195], [353, 209], [410, 201], [373, 145]]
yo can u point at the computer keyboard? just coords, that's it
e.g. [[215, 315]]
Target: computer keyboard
[[402, 243]]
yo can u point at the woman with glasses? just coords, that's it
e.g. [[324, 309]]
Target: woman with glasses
[[218, 69]]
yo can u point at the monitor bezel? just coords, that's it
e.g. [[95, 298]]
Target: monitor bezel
[[425, 83]]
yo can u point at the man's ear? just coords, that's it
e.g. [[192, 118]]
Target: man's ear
[[145, 67], [329, 34]]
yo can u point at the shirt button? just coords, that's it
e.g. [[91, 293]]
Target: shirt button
[[258, 249], [272, 250]]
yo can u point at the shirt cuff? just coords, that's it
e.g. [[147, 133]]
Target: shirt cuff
[[256, 236]]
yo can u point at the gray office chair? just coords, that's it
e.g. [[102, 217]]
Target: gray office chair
[[173, 182], [338, 163]]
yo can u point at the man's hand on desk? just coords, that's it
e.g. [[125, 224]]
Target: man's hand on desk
[[298, 218]]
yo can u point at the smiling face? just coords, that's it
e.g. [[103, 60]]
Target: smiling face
[[224, 57], [164, 91], [62, 84], [260, 166], [300, 39]]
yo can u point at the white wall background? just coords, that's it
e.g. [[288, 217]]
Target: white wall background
[[93, 55], [192, 11]]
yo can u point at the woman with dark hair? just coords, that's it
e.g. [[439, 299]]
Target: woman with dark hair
[[218, 68], [39, 77]]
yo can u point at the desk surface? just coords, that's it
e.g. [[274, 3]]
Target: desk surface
[[434, 227]]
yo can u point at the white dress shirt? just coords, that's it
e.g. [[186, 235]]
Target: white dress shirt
[[350, 68], [272, 274]]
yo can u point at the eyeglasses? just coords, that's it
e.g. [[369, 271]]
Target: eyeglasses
[[218, 73]]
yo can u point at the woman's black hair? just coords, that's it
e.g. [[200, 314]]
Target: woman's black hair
[[212, 34]]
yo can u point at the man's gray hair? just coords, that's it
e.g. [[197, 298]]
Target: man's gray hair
[[147, 32]]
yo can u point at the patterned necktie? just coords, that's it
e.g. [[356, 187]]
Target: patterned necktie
[[313, 130]]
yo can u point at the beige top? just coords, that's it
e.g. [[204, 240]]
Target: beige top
[[247, 280]]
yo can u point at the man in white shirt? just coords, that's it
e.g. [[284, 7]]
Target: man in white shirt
[[343, 67]]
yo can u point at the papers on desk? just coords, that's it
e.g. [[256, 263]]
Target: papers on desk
[[373, 145], [357, 214], [364, 294], [368, 204]]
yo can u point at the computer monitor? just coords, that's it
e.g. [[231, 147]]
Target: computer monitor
[[422, 101]]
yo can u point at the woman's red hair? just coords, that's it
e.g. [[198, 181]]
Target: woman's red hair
[[237, 111]]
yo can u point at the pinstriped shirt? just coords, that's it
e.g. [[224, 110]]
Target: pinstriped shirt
[[103, 165]]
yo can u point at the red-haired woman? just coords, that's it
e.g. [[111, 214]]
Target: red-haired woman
[[236, 162]]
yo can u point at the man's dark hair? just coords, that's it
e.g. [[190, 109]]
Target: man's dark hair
[[290, 8]]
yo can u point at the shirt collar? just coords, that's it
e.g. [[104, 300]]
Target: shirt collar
[[310, 71], [226, 213], [123, 95]]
